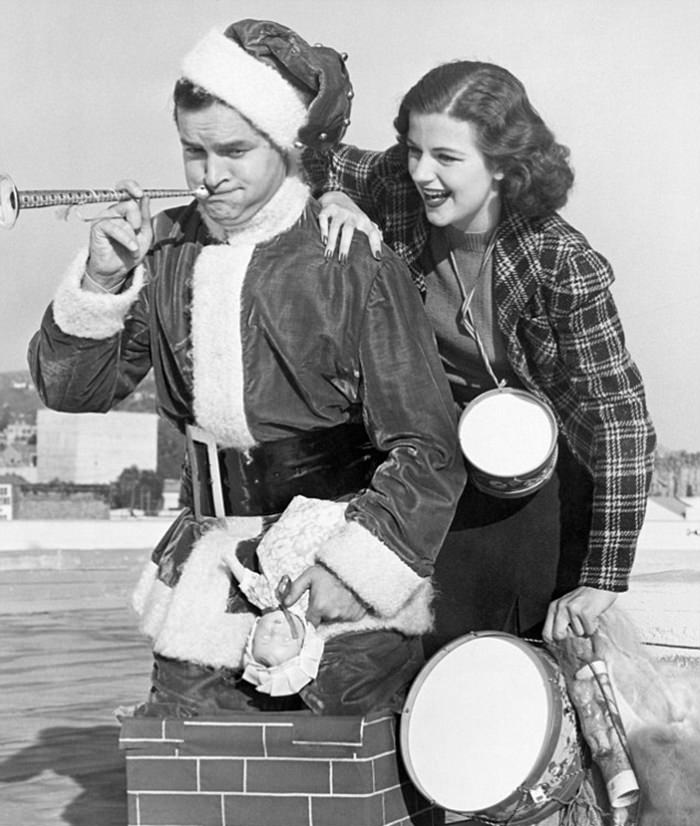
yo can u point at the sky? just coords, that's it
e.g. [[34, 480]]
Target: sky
[[85, 100]]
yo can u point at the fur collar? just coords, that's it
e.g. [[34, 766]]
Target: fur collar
[[278, 215], [217, 280]]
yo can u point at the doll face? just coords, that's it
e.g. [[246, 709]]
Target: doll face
[[273, 643]]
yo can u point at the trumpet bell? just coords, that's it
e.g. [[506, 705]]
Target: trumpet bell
[[9, 202]]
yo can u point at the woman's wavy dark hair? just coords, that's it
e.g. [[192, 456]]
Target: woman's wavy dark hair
[[511, 135]]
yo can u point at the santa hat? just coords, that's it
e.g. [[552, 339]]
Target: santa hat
[[294, 93]]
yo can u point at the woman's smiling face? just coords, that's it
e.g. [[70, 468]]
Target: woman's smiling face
[[452, 176]]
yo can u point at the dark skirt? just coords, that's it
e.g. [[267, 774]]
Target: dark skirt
[[504, 560]]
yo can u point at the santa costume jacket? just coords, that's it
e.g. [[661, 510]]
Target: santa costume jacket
[[256, 339]]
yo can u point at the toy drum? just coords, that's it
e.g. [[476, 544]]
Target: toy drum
[[509, 438], [487, 730]]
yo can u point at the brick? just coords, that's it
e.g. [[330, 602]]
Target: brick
[[150, 735], [401, 768], [353, 811], [279, 743], [329, 730], [153, 774], [132, 809], [221, 775], [379, 736], [259, 810], [425, 819], [156, 748], [396, 806], [388, 772], [180, 810], [174, 729], [435, 816], [399, 808], [352, 777], [149, 728], [288, 776], [235, 739], [415, 800]]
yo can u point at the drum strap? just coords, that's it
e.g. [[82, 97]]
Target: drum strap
[[465, 313]]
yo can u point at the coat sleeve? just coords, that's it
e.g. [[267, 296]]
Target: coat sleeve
[[92, 349], [395, 527], [363, 175], [607, 423]]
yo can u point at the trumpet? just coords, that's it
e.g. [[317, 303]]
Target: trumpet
[[12, 200]]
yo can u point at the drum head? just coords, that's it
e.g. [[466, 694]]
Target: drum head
[[507, 433], [475, 721]]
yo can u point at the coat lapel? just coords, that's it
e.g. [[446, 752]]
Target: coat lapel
[[516, 278]]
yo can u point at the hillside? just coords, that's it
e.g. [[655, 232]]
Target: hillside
[[18, 396]]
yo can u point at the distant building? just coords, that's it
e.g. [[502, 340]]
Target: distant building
[[27, 473], [6, 501], [12, 457], [18, 431], [61, 501], [171, 495], [94, 448]]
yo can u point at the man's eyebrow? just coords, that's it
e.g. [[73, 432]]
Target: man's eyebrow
[[223, 148], [219, 148]]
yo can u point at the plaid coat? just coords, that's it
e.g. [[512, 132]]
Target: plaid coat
[[563, 336]]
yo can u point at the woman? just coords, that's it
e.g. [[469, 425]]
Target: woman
[[468, 197]]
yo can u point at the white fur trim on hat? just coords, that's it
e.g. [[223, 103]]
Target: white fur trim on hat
[[85, 314], [220, 66]]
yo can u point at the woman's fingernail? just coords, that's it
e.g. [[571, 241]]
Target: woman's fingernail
[[377, 256], [342, 257], [324, 240], [328, 254]]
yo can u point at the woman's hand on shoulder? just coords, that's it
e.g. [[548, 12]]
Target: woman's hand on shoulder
[[577, 613], [339, 218]]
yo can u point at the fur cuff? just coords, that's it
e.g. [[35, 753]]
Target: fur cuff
[[190, 622], [371, 569], [92, 315]]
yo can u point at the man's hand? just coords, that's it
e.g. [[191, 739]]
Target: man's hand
[[329, 599], [577, 613], [340, 215], [121, 238]]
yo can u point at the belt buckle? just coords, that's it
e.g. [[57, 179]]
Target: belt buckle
[[197, 435]]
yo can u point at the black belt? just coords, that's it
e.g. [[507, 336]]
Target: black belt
[[323, 464]]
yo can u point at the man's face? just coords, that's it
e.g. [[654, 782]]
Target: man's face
[[238, 166]]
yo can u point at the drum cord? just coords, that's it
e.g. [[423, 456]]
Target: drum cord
[[465, 312]]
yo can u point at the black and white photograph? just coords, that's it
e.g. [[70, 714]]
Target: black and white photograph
[[349, 413]]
